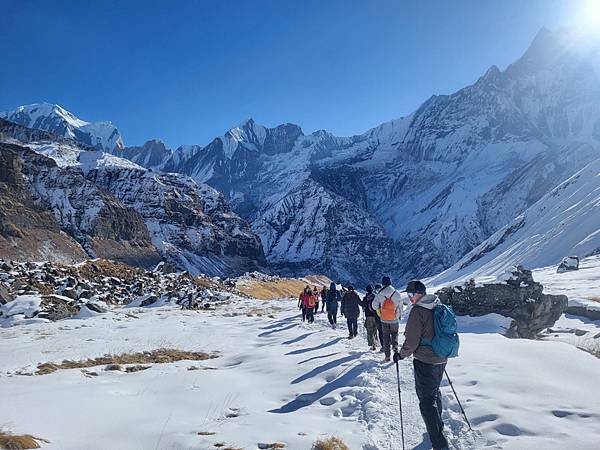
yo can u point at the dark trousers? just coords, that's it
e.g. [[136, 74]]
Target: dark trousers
[[427, 384], [317, 307], [332, 316], [352, 326], [303, 313], [390, 337], [379, 330], [310, 315]]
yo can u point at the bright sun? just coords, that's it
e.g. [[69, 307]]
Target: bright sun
[[591, 15]]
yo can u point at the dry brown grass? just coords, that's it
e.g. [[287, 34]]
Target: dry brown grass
[[274, 445], [281, 288], [17, 442], [332, 443], [594, 298], [160, 356]]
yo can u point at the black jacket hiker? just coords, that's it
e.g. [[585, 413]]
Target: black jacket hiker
[[351, 309]]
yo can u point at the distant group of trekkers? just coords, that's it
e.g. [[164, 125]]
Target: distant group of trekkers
[[383, 307], [381, 317]]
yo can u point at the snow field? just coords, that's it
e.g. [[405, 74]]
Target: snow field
[[279, 380]]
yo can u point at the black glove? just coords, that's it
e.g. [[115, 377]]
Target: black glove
[[397, 357]]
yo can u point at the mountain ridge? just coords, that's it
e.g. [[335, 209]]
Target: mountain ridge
[[424, 189]]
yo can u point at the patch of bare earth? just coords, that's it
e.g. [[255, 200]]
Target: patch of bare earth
[[17, 442], [280, 288], [160, 356]]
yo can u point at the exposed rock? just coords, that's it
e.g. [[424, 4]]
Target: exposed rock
[[5, 296], [53, 307], [568, 264], [518, 297], [150, 300], [95, 307]]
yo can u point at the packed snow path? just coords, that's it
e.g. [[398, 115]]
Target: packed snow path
[[279, 380]]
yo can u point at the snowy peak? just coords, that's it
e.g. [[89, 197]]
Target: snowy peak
[[152, 154], [251, 136], [550, 48], [59, 121]]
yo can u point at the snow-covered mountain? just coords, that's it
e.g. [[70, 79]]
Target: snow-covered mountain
[[57, 120], [412, 196], [564, 221], [114, 208]]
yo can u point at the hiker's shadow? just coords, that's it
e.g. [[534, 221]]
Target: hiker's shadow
[[297, 339], [312, 349], [280, 322], [325, 367], [268, 333], [344, 380]]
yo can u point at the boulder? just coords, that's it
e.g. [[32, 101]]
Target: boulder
[[5, 296], [150, 300], [516, 295], [95, 307], [568, 264], [54, 307]]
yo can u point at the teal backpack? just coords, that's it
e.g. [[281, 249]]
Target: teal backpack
[[445, 342]]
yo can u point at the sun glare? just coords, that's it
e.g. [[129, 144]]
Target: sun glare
[[591, 15]]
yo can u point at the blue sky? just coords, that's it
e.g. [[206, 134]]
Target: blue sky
[[186, 71]]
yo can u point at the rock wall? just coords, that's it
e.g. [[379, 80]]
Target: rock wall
[[518, 297]]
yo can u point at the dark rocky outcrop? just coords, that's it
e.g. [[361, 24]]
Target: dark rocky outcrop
[[52, 213], [112, 209], [568, 264], [519, 297]]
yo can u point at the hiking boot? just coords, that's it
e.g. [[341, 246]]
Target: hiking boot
[[350, 337], [381, 350], [373, 347], [387, 359]]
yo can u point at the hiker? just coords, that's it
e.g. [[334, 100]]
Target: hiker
[[378, 319], [315, 293], [301, 304], [428, 366], [370, 315], [308, 300], [333, 298], [388, 304], [323, 298], [350, 309]]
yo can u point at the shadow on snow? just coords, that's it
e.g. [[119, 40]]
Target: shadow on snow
[[318, 347], [325, 367], [344, 380]]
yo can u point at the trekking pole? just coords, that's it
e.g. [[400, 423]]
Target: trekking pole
[[458, 400], [400, 402]]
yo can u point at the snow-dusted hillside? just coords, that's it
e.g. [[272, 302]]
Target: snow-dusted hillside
[[57, 120], [306, 382], [115, 208], [565, 221]]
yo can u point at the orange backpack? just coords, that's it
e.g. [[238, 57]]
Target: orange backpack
[[388, 309], [311, 301]]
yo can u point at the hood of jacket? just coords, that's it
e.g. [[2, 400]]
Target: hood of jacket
[[429, 301], [387, 291]]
